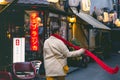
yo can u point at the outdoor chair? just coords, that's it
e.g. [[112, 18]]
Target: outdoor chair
[[5, 75], [37, 64], [24, 71]]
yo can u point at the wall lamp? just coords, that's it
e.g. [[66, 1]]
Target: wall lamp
[[72, 20]]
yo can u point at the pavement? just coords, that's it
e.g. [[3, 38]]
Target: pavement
[[73, 69], [95, 72]]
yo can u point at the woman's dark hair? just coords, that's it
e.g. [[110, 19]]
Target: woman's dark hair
[[55, 25], [55, 29]]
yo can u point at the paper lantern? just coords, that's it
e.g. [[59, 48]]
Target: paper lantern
[[3, 2], [106, 17], [117, 22], [85, 5]]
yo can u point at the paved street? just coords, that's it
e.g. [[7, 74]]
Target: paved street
[[95, 72]]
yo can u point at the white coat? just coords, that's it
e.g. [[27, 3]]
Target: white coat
[[55, 56]]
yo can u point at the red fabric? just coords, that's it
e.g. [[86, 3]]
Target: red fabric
[[88, 53]]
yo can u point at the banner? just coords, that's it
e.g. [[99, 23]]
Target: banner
[[18, 50]]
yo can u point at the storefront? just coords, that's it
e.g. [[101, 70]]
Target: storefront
[[96, 34], [46, 17], [46, 21], [32, 21]]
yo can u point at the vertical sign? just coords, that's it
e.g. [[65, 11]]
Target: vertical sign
[[18, 50], [34, 43]]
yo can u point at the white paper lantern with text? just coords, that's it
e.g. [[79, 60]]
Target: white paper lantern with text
[[106, 17], [117, 23], [85, 5]]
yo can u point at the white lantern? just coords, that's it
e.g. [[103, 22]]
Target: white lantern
[[85, 5], [106, 17], [74, 3], [53, 1], [3, 2], [117, 22]]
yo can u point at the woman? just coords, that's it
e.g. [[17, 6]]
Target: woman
[[55, 57]]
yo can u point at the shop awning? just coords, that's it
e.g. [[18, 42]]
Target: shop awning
[[41, 5], [90, 20]]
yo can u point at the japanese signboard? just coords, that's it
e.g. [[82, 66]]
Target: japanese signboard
[[34, 43], [18, 50]]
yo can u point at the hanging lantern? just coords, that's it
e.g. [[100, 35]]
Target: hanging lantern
[[3, 2], [117, 23], [85, 5], [106, 17]]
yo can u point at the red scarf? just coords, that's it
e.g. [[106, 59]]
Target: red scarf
[[88, 53]]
